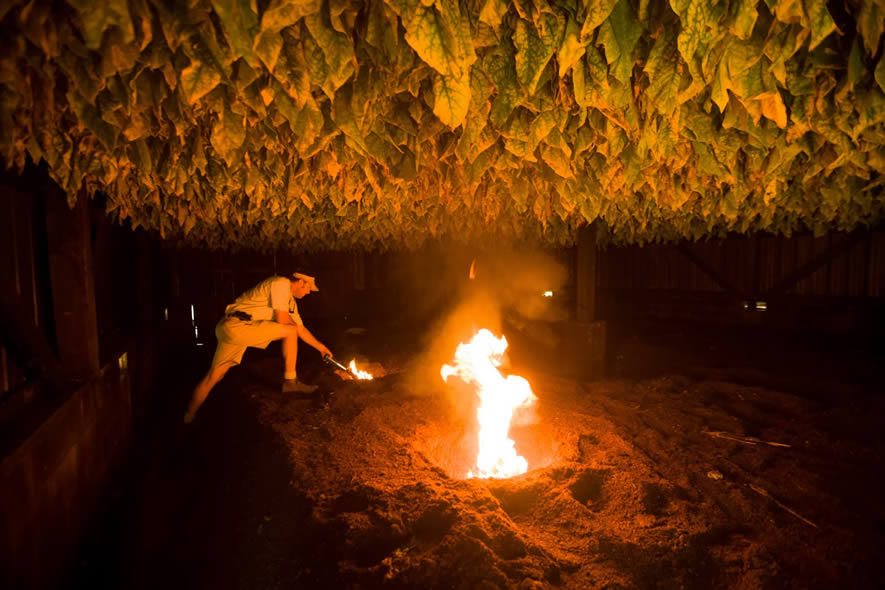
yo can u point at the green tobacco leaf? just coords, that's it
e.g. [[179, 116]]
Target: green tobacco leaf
[[240, 23], [278, 16], [451, 98], [855, 67], [343, 117], [619, 35], [438, 33], [662, 69], [535, 48], [559, 161], [91, 118], [571, 49], [822, 24], [871, 23], [493, 12], [339, 124], [595, 12], [337, 51], [579, 87], [228, 135], [501, 69], [98, 17], [743, 18], [880, 72], [199, 79], [381, 29], [699, 19], [206, 70]]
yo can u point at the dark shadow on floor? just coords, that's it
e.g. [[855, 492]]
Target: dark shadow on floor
[[207, 505]]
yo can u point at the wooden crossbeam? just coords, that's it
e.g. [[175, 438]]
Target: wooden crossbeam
[[825, 257], [711, 272]]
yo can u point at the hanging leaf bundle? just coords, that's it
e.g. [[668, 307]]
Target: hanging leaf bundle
[[332, 124]]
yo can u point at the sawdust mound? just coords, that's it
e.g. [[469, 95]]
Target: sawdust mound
[[627, 488]]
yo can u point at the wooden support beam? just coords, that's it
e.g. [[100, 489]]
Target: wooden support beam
[[586, 274], [359, 270], [711, 272], [73, 283], [815, 263]]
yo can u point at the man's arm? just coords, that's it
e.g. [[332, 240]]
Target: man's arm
[[305, 335], [283, 317]]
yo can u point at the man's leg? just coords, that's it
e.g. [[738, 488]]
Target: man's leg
[[290, 354], [201, 392]]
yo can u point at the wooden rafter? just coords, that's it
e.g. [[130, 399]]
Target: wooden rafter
[[825, 257]]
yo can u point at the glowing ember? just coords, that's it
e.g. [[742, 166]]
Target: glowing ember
[[357, 372], [477, 362]]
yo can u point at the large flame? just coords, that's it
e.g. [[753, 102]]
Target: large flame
[[358, 373], [476, 362]]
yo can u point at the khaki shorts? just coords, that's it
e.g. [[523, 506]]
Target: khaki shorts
[[236, 335]]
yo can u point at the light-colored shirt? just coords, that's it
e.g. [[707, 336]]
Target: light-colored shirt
[[260, 302]]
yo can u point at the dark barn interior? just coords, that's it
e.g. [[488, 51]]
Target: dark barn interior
[[672, 211]]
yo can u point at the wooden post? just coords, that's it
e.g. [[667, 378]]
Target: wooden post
[[585, 275], [359, 270], [145, 364], [73, 282]]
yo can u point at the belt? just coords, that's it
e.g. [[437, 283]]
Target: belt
[[240, 315]]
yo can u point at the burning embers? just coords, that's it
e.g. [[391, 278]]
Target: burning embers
[[358, 373], [476, 362]]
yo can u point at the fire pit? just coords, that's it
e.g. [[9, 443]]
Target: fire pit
[[624, 486]]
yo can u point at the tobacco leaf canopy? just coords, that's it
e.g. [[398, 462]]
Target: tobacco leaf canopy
[[340, 124]]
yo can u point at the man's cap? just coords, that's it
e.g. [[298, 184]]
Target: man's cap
[[307, 279]]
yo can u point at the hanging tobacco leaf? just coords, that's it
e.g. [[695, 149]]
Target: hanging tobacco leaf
[[340, 124]]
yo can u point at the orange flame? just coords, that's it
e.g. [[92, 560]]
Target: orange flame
[[477, 362], [357, 372], [472, 274]]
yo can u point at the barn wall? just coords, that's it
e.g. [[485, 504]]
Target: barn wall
[[23, 274], [722, 281], [54, 479], [63, 432]]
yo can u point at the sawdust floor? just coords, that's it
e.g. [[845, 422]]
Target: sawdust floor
[[632, 488], [269, 491]]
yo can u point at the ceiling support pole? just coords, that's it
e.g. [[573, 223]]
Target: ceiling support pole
[[586, 274]]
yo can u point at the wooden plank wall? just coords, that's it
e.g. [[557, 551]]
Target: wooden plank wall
[[754, 264], [662, 277], [21, 275]]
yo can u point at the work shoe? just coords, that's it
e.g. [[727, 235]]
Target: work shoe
[[296, 386]]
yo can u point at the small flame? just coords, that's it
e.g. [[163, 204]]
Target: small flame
[[548, 293], [357, 372], [477, 362], [472, 273]]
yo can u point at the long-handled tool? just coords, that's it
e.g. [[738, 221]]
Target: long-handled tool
[[328, 358]]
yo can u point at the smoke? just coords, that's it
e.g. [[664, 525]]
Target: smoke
[[473, 310], [518, 278], [506, 295]]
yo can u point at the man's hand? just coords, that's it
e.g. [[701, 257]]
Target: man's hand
[[305, 335]]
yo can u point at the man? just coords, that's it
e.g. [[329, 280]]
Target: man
[[264, 313]]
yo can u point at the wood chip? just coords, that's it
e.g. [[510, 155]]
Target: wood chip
[[748, 440]]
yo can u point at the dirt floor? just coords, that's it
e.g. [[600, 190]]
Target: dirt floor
[[705, 478], [657, 483]]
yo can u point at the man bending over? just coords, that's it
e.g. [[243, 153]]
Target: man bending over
[[264, 313]]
